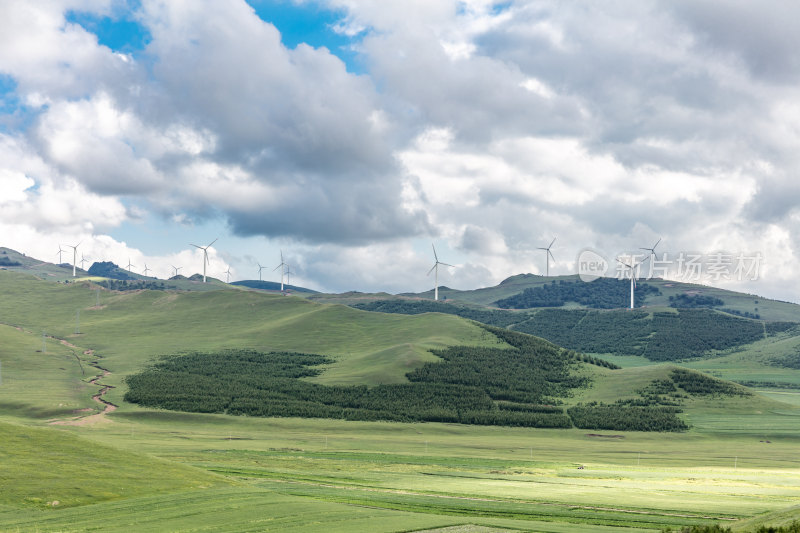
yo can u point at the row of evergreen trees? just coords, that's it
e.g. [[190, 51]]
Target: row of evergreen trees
[[603, 293]]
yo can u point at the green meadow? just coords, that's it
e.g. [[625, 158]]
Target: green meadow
[[152, 470]]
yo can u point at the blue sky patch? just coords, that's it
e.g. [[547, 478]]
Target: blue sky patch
[[8, 94], [120, 33], [309, 23], [14, 114]]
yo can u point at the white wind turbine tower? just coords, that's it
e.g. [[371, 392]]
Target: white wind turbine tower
[[547, 255], [632, 266], [282, 266], [435, 269], [260, 268], [228, 274], [205, 255], [74, 257], [130, 265], [652, 256], [146, 269], [83, 260], [288, 274], [176, 269], [60, 251]]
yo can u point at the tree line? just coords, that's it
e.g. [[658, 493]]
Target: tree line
[[659, 336], [603, 293]]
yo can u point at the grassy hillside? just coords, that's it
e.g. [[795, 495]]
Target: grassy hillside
[[128, 329], [767, 309], [48, 468], [42, 385], [273, 286], [14, 261]]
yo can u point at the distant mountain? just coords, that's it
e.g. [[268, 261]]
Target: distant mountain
[[107, 269], [271, 286]]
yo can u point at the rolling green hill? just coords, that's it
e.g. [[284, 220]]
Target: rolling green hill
[[155, 323], [272, 286], [735, 465], [766, 309]]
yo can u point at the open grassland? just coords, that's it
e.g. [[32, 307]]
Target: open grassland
[[447, 474], [139, 469], [49, 468], [760, 364], [762, 361]]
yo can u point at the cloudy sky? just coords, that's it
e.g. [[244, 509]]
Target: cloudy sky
[[351, 134]]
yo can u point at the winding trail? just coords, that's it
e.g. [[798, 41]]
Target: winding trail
[[108, 407]]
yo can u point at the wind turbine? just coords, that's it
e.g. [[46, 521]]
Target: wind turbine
[[228, 274], [260, 268], [83, 260], [632, 267], [205, 255], [547, 255], [652, 256], [60, 251], [288, 274], [74, 257], [130, 265], [282, 266], [435, 269], [146, 269], [176, 269]]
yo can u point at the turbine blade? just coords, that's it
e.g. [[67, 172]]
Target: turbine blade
[[432, 269], [212, 242], [196, 246], [551, 244], [434, 253], [447, 264], [551, 254], [656, 244]]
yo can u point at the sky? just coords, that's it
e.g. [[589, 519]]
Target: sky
[[350, 135]]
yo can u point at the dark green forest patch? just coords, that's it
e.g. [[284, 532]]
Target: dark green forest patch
[[662, 336], [658, 336], [415, 307], [520, 386], [693, 301], [603, 293]]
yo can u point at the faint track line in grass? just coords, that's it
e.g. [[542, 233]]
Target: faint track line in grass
[[310, 482]]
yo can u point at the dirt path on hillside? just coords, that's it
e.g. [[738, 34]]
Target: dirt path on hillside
[[108, 407]]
